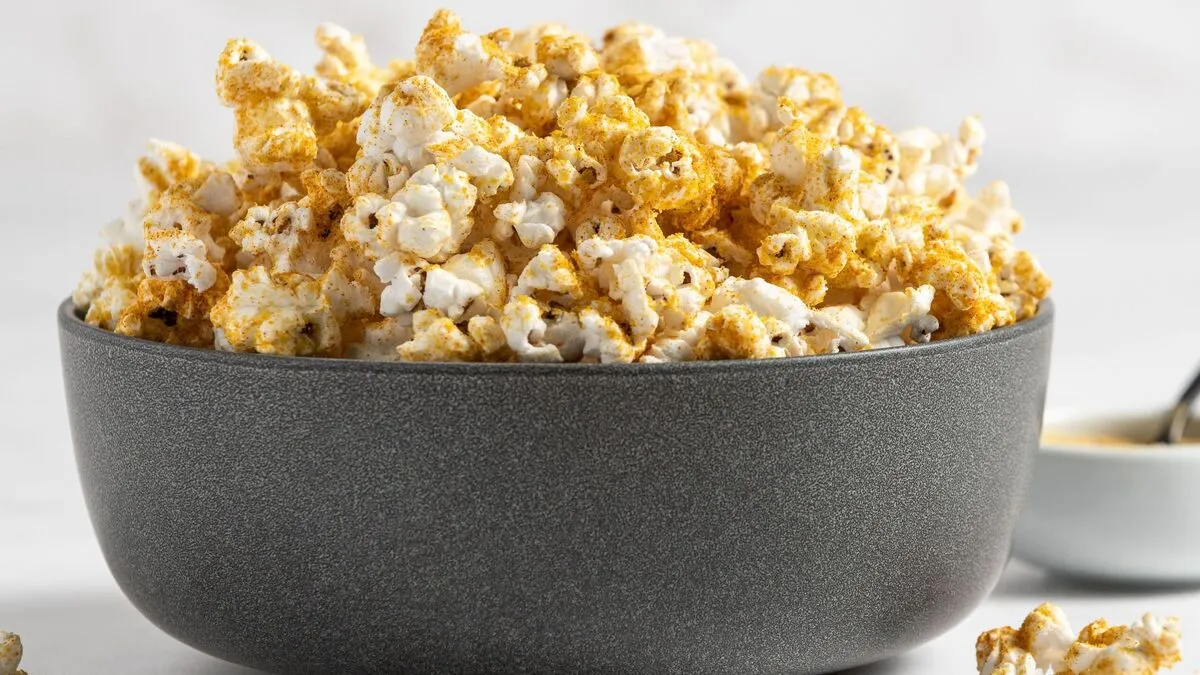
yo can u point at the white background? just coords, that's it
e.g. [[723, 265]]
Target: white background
[[1091, 109]]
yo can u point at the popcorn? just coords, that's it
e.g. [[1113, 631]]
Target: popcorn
[[437, 338], [525, 331], [280, 114], [405, 278], [895, 313], [172, 311], [456, 59], [535, 218], [529, 195], [430, 216], [110, 286], [10, 654], [381, 340], [1046, 645], [296, 236], [275, 314], [345, 59]]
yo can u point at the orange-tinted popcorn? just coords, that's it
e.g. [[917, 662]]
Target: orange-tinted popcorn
[[532, 195]]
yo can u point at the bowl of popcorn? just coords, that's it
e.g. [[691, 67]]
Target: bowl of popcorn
[[1108, 503], [539, 354]]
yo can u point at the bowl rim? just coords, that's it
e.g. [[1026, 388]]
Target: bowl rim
[[1131, 452], [69, 320]]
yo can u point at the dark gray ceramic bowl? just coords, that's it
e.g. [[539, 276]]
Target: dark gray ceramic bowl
[[795, 515]]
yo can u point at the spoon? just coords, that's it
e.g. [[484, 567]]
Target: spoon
[[1172, 431]]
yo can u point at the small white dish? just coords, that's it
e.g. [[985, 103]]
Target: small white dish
[[1125, 513]]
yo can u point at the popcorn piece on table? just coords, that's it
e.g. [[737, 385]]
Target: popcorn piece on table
[[1046, 645], [10, 654]]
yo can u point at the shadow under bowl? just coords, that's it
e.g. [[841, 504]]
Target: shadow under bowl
[[804, 515]]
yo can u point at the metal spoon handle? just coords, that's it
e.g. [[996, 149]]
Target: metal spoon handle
[[1177, 421]]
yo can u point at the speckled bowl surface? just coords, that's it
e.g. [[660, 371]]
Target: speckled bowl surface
[[322, 516]]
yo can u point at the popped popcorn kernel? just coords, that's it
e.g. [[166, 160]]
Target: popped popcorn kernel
[[106, 290], [538, 195], [345, 59], [1046, 645], [275, 314], [437, 338], [10, 654], [280, 114], [172, 311]]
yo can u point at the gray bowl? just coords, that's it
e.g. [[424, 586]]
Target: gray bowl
[[794, 515]]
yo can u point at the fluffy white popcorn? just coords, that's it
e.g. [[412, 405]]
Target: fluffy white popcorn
[[934, 165], [177, 214], [164, 164], [360, 226], [1049, 636], [179, 256], [277, 235], [405, 278], [989, 217], [349, 297], [838, 328], [457, 59], [764, 299], [679, 345], [653, 49], [536, 222], [488, 170], [417, 124], [483, 268], [525, 331], [895, 313], [1143, 648], [449, 294], [10, 654], [632, 272], [412, 115], [381, 340], [488, 335], [1013, 662], [603, 339], [218, 194], [550, 275], [536, 218], [429, 217], [373, 175]]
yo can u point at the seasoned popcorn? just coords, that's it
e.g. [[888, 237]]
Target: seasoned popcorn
[[10, 654], [532, 195], [1046, 645]]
